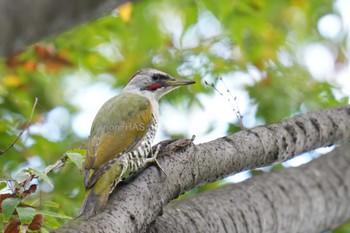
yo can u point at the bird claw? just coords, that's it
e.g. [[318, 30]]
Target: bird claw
[[154, 160]]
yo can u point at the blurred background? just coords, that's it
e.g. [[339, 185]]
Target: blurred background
[[269, 60]]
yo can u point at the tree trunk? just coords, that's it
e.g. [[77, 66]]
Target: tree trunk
[[25, 22], [134, 207]]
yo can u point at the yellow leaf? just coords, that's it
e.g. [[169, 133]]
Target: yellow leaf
[[12, 81], [125, 11]]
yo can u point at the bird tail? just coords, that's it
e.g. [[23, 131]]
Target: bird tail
[[98, 192], [93, 203]]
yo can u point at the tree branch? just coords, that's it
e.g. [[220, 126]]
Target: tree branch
[[134, 206], [25, 22], [25, 128], [311, 198]]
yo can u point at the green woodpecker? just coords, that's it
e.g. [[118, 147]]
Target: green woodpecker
[[121, 135]]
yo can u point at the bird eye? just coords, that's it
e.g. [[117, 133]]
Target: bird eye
[[160, 77], [156, 77]]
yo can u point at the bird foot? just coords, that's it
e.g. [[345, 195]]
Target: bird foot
[[154, 160]]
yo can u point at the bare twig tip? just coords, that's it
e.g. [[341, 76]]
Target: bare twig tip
[[25, 128]]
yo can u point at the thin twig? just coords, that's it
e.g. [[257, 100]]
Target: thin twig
[[57, 165], [25, 128], [237, 112]]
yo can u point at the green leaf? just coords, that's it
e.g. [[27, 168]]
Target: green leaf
[[41, 176], [52, 214], [50, 204], [80, 151], [43, 230], [3, 184], [51, 222], [77, 157], [8, 206], [22, 176], [26, 214]]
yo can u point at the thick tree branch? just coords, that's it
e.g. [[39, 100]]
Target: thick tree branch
[[25, 22], [133, 207], [311, 198]]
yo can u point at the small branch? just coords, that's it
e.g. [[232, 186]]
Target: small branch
[[235, 109], [57, 165], [237, 112], [25, 128]]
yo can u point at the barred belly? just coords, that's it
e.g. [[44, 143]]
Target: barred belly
[[136, 158]]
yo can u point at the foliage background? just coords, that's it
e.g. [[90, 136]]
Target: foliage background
[[279, 58]]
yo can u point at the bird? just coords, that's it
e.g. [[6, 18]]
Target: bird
[[122, 134]]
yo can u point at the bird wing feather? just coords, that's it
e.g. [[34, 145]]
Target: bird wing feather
[[118, 128]]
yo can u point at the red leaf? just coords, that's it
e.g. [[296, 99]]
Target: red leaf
[[12, 226], [3, 197], [37, 222], [29, 191]]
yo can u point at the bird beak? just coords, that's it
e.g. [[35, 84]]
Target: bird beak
[[179, 82]]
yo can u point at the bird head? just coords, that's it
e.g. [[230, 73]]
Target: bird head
[[153, 83]]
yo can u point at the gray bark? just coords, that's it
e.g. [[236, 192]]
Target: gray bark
[[311, 198], [135, 206], [25, 22]]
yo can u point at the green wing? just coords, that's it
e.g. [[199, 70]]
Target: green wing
[[119, 126]]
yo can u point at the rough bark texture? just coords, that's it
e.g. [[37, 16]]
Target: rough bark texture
[[311, 198], [135, 206], [25, 22]]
